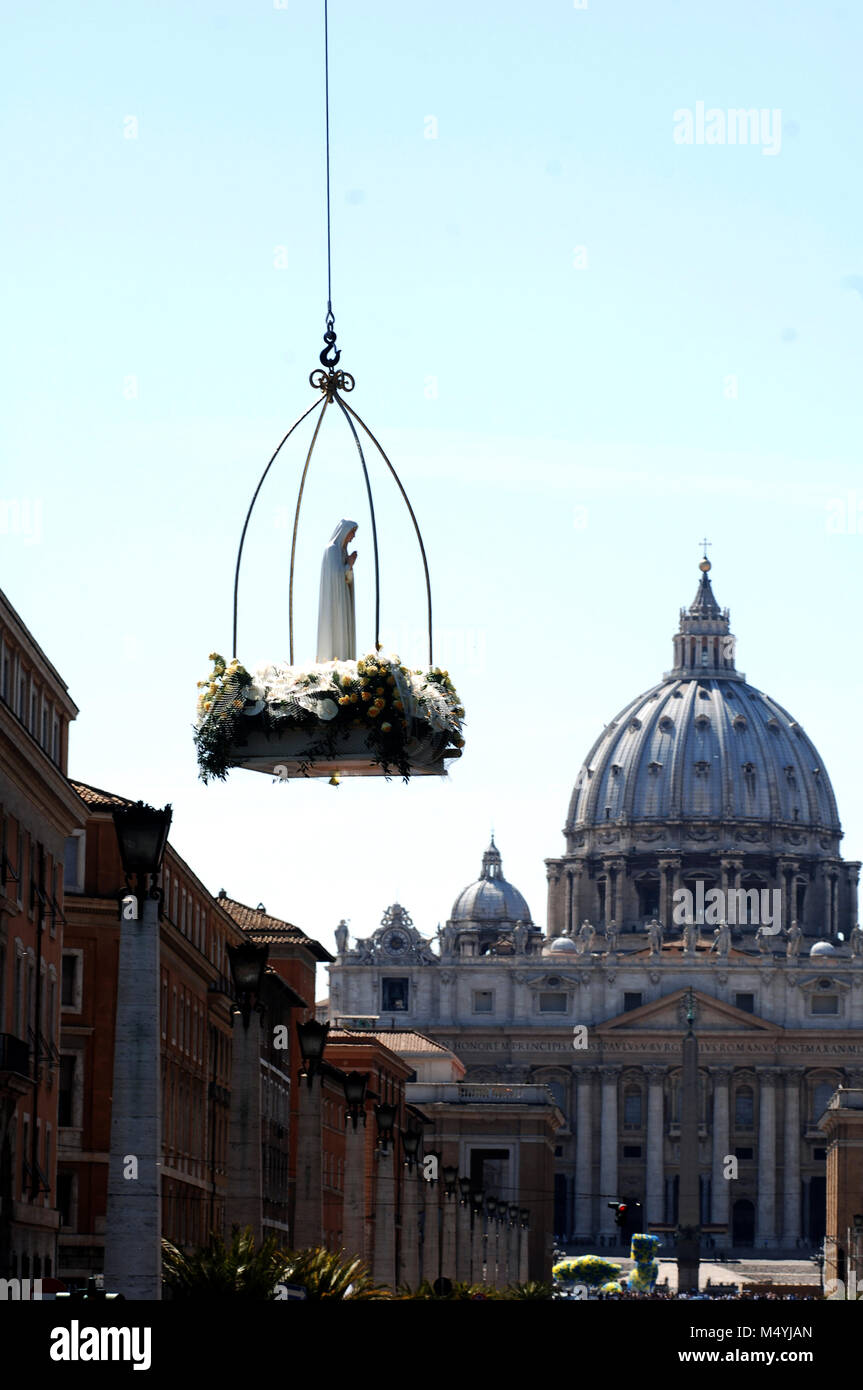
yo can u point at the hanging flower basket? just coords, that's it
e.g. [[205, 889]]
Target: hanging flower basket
[[372, 717]]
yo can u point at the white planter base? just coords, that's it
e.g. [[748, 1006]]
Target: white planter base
[[281, 756]]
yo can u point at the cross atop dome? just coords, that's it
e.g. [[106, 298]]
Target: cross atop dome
[[703, 644]]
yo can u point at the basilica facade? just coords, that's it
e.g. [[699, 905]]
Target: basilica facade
[[701, 864]]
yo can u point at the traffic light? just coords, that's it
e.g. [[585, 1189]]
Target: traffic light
[[626, 1214]]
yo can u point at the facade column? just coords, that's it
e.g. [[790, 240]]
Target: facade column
[[409, 1253], [655, 1144], [577, 897], [431, 1232], [669, 875], [720, 1186], [309, 1214], [244, 1195], [383, 1268], [608, 1148], [555, 905], [568, 927], [791, 1199], [766, 1212], [584, 1226], [133, 1225], [354, 1208]]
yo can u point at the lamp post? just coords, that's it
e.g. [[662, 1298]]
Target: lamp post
[[477, 1202], [524, 1229], [491, 1241], [133, 1224], [512, 1245], [244, 1201], [384, 1266], [354, 1221], [309, 1215], [462, 1238]]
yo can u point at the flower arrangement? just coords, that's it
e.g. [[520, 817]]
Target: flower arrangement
[[613, 1286], [389, 702], [643, 1248], [592, 1270]]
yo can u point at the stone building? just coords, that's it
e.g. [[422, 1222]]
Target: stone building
[[706, 784]]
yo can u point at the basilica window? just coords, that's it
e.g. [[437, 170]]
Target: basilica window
[[632, 999], [394, 994], [821, 1097], [744, 1108], [632, 1109], [745, 1002], [824, 1004], [483, 1001], [552, 1002]]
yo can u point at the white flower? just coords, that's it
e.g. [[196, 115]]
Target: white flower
[[327, 709]]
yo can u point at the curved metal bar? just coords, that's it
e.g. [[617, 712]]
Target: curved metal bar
[[296, 524], [312, 407], [344, 409], [362, 422]]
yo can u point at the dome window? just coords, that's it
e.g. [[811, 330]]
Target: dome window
[[704, 694], [702, 722], [635, 725], [615, 769], [654, 767], [773, 724], [702, 767], [740, 722], [666, 724]]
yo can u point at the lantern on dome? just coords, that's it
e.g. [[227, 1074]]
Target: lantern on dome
[[343, 713]]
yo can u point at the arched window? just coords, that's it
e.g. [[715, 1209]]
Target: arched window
[[744, 1108]]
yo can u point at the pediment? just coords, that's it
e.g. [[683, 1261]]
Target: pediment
[[666, 1015]]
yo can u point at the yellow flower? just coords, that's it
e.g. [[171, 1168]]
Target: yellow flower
[[344, 699], [391, 680], [398, 704], [385, 728], [346, 680], [238, 704], [353, 698], [373, 712], [208, 704], [380, 690], [367, 694]]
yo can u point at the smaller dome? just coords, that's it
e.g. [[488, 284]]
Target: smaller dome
[[491, 899], [560, 946], [823, 948]]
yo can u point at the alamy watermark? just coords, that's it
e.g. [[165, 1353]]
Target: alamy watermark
[[710, 125], [747, 906]]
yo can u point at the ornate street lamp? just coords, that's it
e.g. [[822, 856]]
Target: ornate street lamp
[[450, 1178], [464, 1191], [355, 1085], [477, 1199], [313, 1038], [513, 1213], [248, 963], [385, 1115], [411, 1144], [525, 1218], [142, 834], [491, 1207]]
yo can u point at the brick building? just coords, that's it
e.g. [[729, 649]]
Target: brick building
[[39, 816]]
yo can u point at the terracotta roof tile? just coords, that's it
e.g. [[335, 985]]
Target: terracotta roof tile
[[403, 1042], [270, 931], [95, 796]]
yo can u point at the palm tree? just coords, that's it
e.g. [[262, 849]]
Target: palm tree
[[324, 1274], [220, 1271]]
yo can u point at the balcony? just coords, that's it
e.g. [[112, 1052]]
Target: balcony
[[14, 1063], [466, 1093]]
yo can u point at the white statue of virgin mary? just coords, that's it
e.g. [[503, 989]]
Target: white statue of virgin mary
[[336, 625]]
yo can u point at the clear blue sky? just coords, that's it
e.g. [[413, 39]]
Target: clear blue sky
[[567, 433]]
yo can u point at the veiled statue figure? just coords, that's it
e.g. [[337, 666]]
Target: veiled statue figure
[[793, 941], [519, 937], [336, 622], [586, 937], [612, 933], [342, 937], [690, 937], [654, 936], [856, 940], [762, 940], [722, 940]]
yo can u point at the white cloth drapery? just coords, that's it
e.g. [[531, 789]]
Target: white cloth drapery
[[336, 623]]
